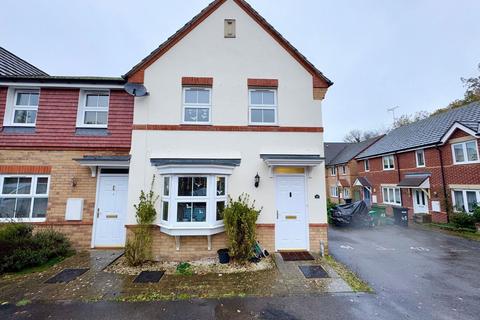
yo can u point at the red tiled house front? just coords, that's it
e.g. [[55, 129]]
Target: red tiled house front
[[415, 166], [58, 137]]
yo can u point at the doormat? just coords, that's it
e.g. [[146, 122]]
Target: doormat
[[313, 272], [66, 275], [149, 277], [296, 256]]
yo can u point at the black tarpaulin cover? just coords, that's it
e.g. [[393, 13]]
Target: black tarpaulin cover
[[355, 214]]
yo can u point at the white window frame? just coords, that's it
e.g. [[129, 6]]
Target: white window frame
[[386, 196], [333, 171], [16, 107], [465, 199], [344, 170], [334, 191], [346, 193], [197, 105], [390, 162], [273, 107], [32, 195], [210, 199], [82, 108], [366, 165], [422, 152], [465, 154]]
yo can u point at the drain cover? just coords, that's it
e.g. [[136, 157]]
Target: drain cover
[[149, 276], [66, 275], [312, 272]]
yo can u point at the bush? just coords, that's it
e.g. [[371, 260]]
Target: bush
[[476, 214], [240, 219], [138, 249], [330, 206], [463, 220], [21, 248], [184, 268]]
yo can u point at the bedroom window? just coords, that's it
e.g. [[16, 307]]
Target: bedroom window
[[93, 109], [420, 158], [262, 106], [366, 165], [24, 197], [388, 162], [25, 107], [465, 152], [197, 103]]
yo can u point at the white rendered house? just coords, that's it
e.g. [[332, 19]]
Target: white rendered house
[[229, 98]]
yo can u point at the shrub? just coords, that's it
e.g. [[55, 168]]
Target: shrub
[[240, 219], [330, 206], [22, 248], [463, 220], [476, 214], [184, 268], [138, 249]]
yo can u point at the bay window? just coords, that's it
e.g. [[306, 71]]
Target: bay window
[[193, 200], [24, 197], [465, 152]]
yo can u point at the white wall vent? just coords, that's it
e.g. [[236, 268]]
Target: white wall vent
[[74, 210], [230, 31]]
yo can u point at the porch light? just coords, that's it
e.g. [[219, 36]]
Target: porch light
[[257, 180]]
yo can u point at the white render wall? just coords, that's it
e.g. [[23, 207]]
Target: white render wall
[[204, 52]]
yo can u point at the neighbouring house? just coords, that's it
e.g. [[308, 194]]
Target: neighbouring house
[[65, 143], [341, 170], [431, 167], [232, 108]]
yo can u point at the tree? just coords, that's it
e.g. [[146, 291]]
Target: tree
[[406, 119], [356, 136]]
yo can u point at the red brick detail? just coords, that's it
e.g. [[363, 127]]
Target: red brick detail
[[195, 81], [14, 169], [265, 83], [316, 225], [166, 127], [56, 123], [266, 225]]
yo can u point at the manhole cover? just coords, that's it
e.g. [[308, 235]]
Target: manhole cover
[[312, 272], [149, 276], [296, 256], [66, 275]]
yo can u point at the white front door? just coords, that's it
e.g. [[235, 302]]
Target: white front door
[[111, 211], [291, 224], [420, 201]]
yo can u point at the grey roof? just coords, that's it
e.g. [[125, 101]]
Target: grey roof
[[62, 79], [364, 182], [11, 65], [414, 180], [426, 132], [194, 161], [340, 153]]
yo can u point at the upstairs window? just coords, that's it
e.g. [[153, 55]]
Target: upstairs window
[[344, 170], [23, 197], [420, 158], [93, 109], [366, 164], [25, 107], [388, 162], [465, 152], [197, 103], [333, 171], [263, 106]]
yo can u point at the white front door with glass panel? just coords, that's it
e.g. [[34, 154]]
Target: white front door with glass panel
[[111, 211], [291, 224], [420, 201]]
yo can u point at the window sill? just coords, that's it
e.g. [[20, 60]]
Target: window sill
[[463, 163], [191, 230], [22, 220], [91, 132], [388, 169], [19, 129]]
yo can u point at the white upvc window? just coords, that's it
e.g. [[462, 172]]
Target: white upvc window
[[334, 191], [262, 106], [24, 197], [193, 200], [333, 171], [391, 195], [344, 170], [388, 162], [25, 107], [366, 165], [465, 200], [197, 105], [420, 158], [465, 152], [93, 109]]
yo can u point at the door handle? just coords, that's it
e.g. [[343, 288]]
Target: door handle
[[98, 213]]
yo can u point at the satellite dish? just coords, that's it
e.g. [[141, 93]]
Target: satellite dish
[[136, 89]]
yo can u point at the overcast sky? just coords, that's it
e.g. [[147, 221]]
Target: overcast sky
[[379, 53]]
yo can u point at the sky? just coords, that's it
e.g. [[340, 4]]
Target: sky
[[378, 53]]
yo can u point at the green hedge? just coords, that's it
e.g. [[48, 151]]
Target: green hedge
[[21, 248]]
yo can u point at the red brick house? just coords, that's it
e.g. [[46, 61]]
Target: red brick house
[[431, 167], [59, 137]]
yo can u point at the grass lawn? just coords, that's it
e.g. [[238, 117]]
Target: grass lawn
[[449, 228]]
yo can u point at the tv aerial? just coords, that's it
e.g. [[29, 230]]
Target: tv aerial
[[136, 89]]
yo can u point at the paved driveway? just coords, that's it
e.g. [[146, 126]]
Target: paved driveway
[[416, 274]]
